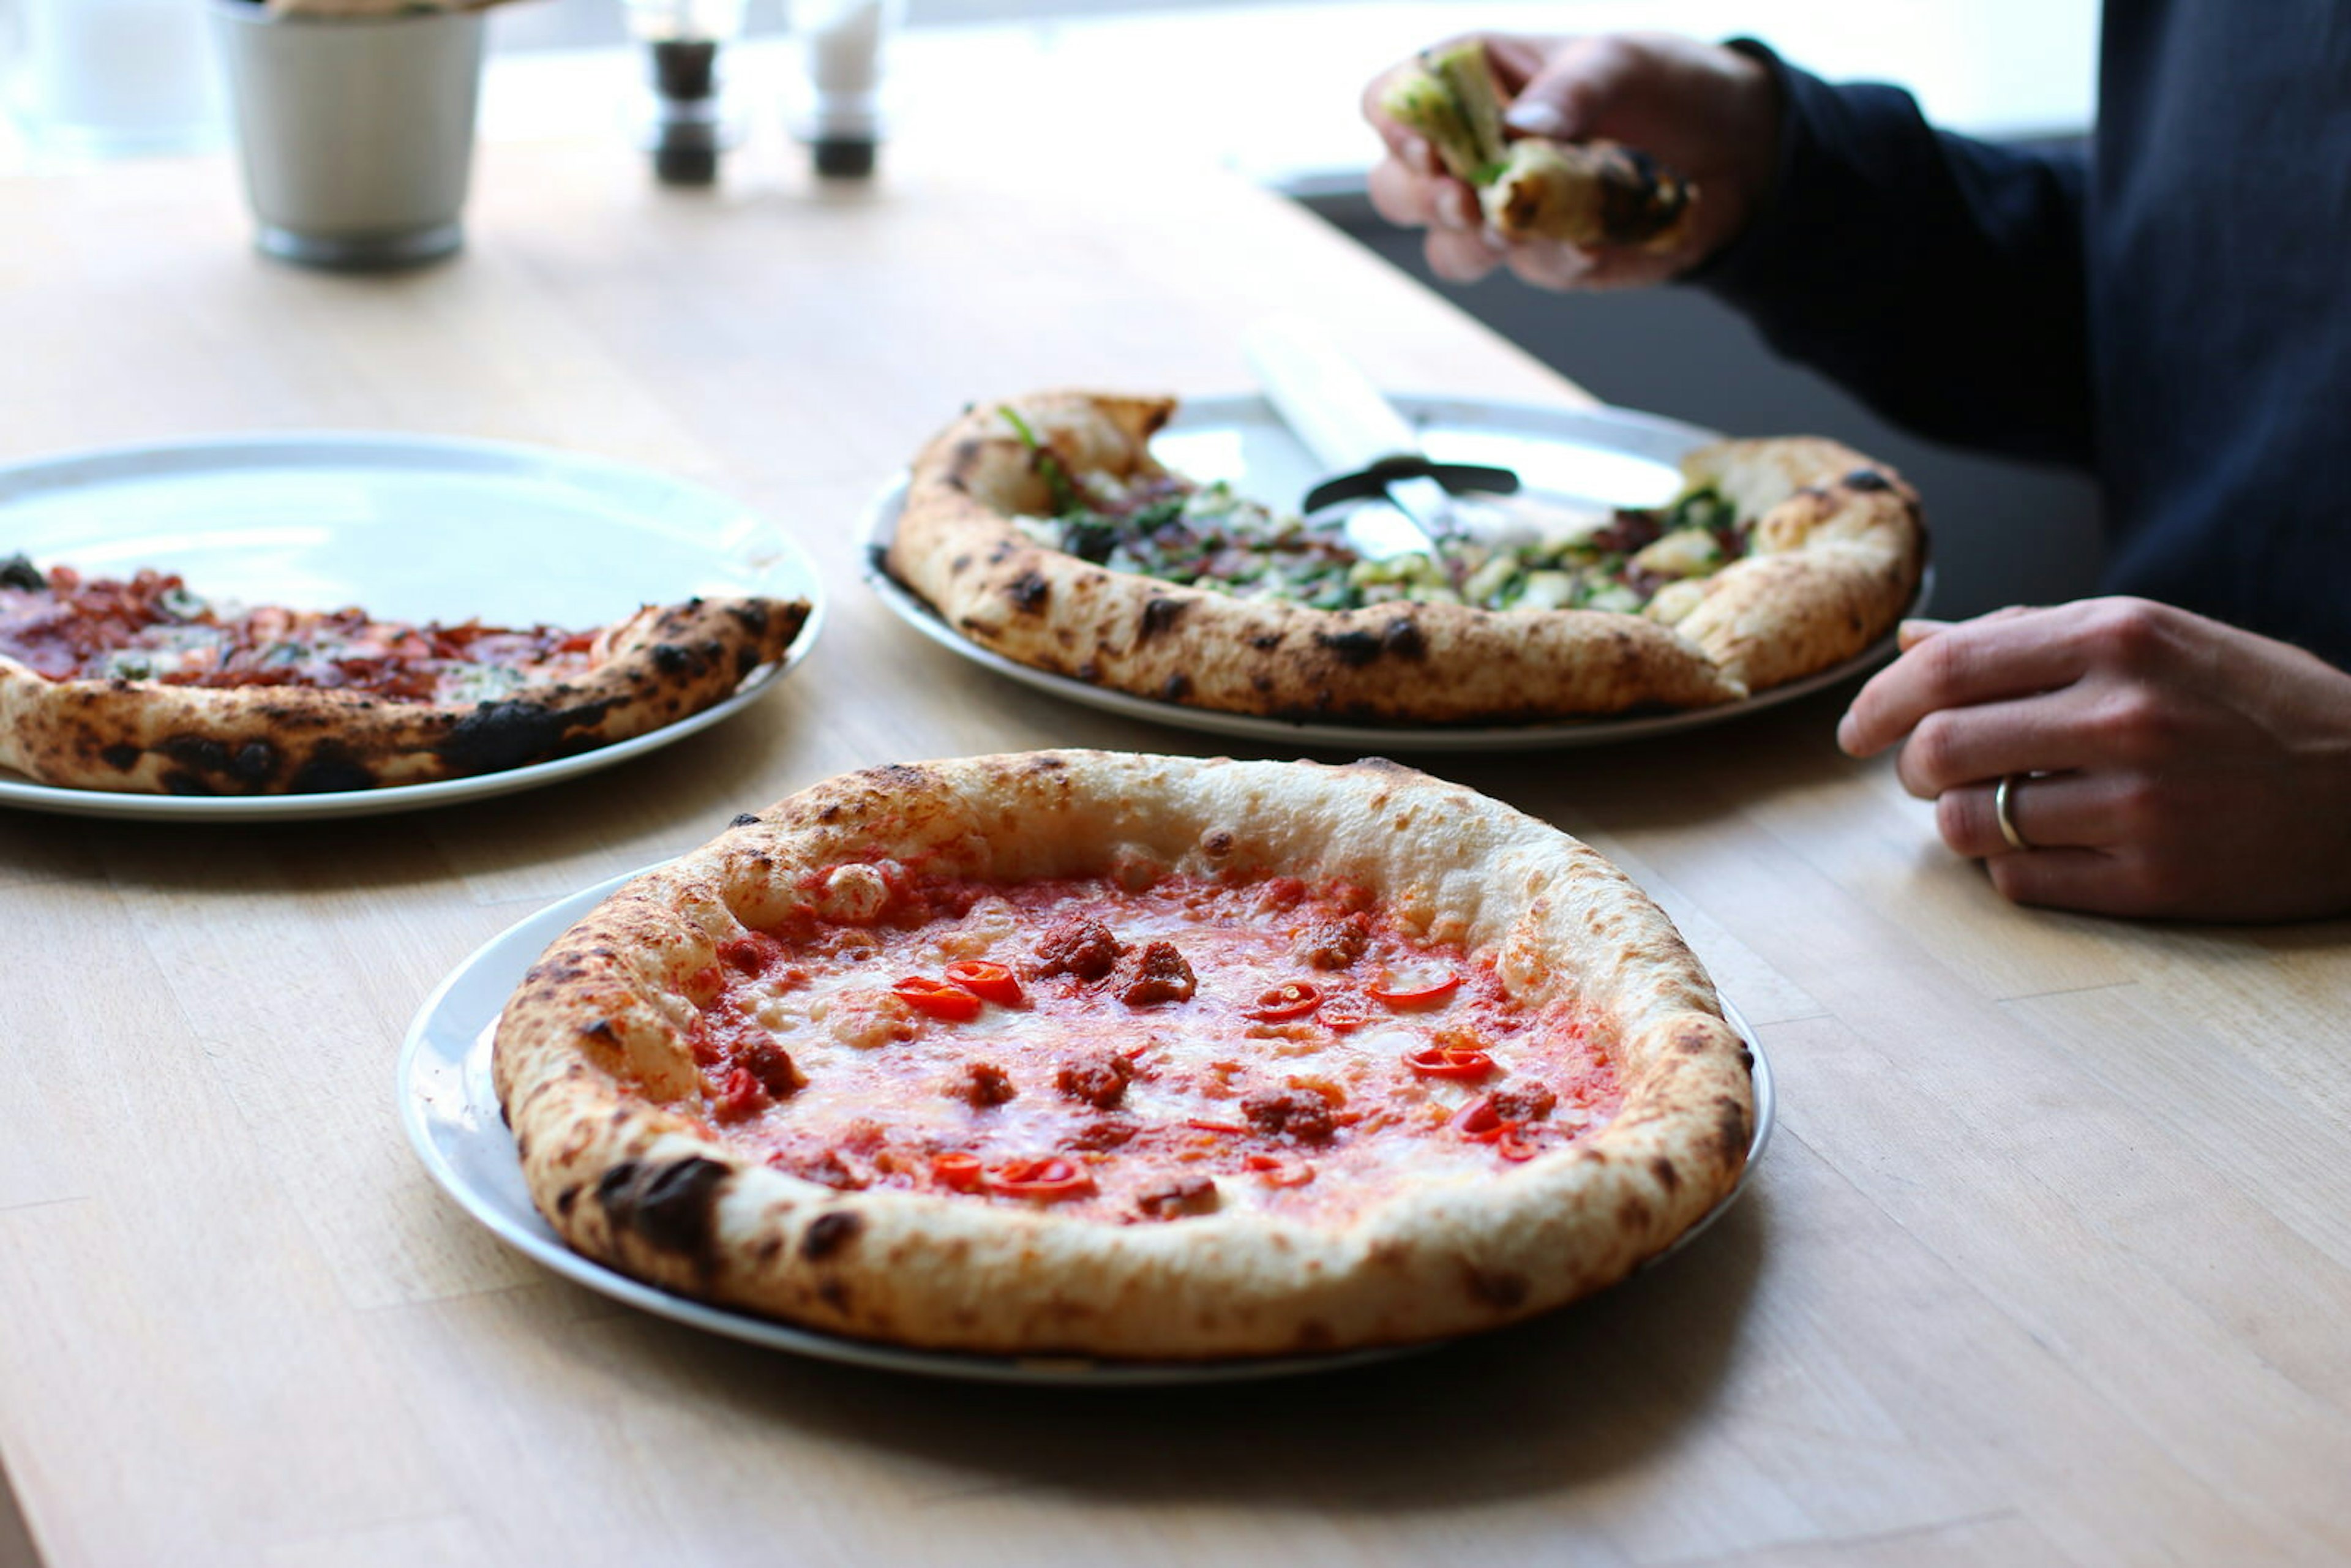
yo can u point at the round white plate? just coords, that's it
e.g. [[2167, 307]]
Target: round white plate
[[450, 1108], [414, 529], [1608, 456]]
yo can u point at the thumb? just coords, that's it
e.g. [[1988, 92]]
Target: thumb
[[1565, 98]]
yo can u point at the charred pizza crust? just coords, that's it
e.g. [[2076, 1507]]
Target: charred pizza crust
[[1839, 550], [657, 666], [656, 1192]]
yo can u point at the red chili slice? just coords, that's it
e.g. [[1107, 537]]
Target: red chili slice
[[982, 979], [1291, 998], [962, 1172], [1341, 1015], [1278, 1172], [1460, 1061], [1415, 992], [1478, 1121], [1048, 1179], [938, 999], [1512, 1144]]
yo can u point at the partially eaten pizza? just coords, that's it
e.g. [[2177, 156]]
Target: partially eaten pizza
[[1043, 530], [140, 683], [1085, 1052], [1589, 194]]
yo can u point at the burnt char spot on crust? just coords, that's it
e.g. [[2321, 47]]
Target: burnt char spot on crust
[[249, 764], [1217, 843], [1866, 479], [1404, 638], [1159, 614], [1028, 592], [1266, 641], [122, 755], [671, 1205], [498, 736], [179, 783], [745, 819], [1497, 1289], [1668, 1176], [1176, 687], [752, 618], [566, 1199], [828, 1232], [1353, 649], [1731, 1132]]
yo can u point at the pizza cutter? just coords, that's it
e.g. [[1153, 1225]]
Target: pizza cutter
[[1342, 418]]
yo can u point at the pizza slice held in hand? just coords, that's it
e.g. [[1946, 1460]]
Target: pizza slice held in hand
[[1588, 193]]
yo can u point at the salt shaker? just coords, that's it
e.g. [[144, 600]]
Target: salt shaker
[[842, 42]]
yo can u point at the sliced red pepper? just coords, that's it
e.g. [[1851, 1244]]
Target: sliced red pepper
[[982, 979], [1342, 1015], [1460, 1061], [938, 999], [1416, 991], [960, 1171], [1513, 1145], [1276, 1172], [1478, 1121], [1048, 1179], [1217, 1126], [1291, 998]]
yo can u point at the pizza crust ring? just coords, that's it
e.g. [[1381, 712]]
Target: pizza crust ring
[[1839, 551], [652, 669], [656, 1194]]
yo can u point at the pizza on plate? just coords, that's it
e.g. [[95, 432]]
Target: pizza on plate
[[1115, 1055], [139, 685], [1589, 194], [1043, 530]]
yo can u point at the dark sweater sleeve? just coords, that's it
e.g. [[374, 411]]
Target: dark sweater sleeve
[[1940, 279]]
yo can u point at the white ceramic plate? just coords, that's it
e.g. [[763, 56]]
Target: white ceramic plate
[[1607, 457], [414, 527], [450, 1108]]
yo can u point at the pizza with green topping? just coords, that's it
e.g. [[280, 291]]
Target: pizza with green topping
[[1095, 1053], [1043, 530], [141, 685]]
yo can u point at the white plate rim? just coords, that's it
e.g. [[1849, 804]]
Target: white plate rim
[[441, 1074], [882, 513], [55, 471]]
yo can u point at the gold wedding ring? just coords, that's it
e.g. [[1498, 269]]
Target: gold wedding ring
[[2002, 800]]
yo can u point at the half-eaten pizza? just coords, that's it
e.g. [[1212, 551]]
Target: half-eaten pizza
[[1043, 530], [1140, 1056], [138, 683]]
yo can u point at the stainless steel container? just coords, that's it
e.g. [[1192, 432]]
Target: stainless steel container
[[356, 134]]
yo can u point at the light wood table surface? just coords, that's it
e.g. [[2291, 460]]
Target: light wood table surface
[[2050, 1260]]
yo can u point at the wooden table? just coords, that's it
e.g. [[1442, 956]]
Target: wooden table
[[2051, 1258]]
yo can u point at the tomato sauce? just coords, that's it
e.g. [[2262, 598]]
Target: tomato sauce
[[1193, 1046]]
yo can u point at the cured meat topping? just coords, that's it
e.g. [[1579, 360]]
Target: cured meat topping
[[1154, 972], [150, 627], [1078, 945]]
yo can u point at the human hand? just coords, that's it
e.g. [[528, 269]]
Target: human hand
[[1710, 114], [2162, 763]]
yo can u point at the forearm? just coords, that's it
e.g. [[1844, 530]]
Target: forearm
[[1939, 278]]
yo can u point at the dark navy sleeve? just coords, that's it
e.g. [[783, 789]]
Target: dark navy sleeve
[[1940, 279]]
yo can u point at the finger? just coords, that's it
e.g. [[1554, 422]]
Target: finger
[[1459, 257], [1399, 195], [1956, 746], [1455, 206], [2005, 654], [2063, 810], [1548, 263], [1571, 95], [1912, 632], [2097, 882]]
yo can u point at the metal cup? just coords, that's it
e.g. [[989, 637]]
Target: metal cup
[[356, 134]]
